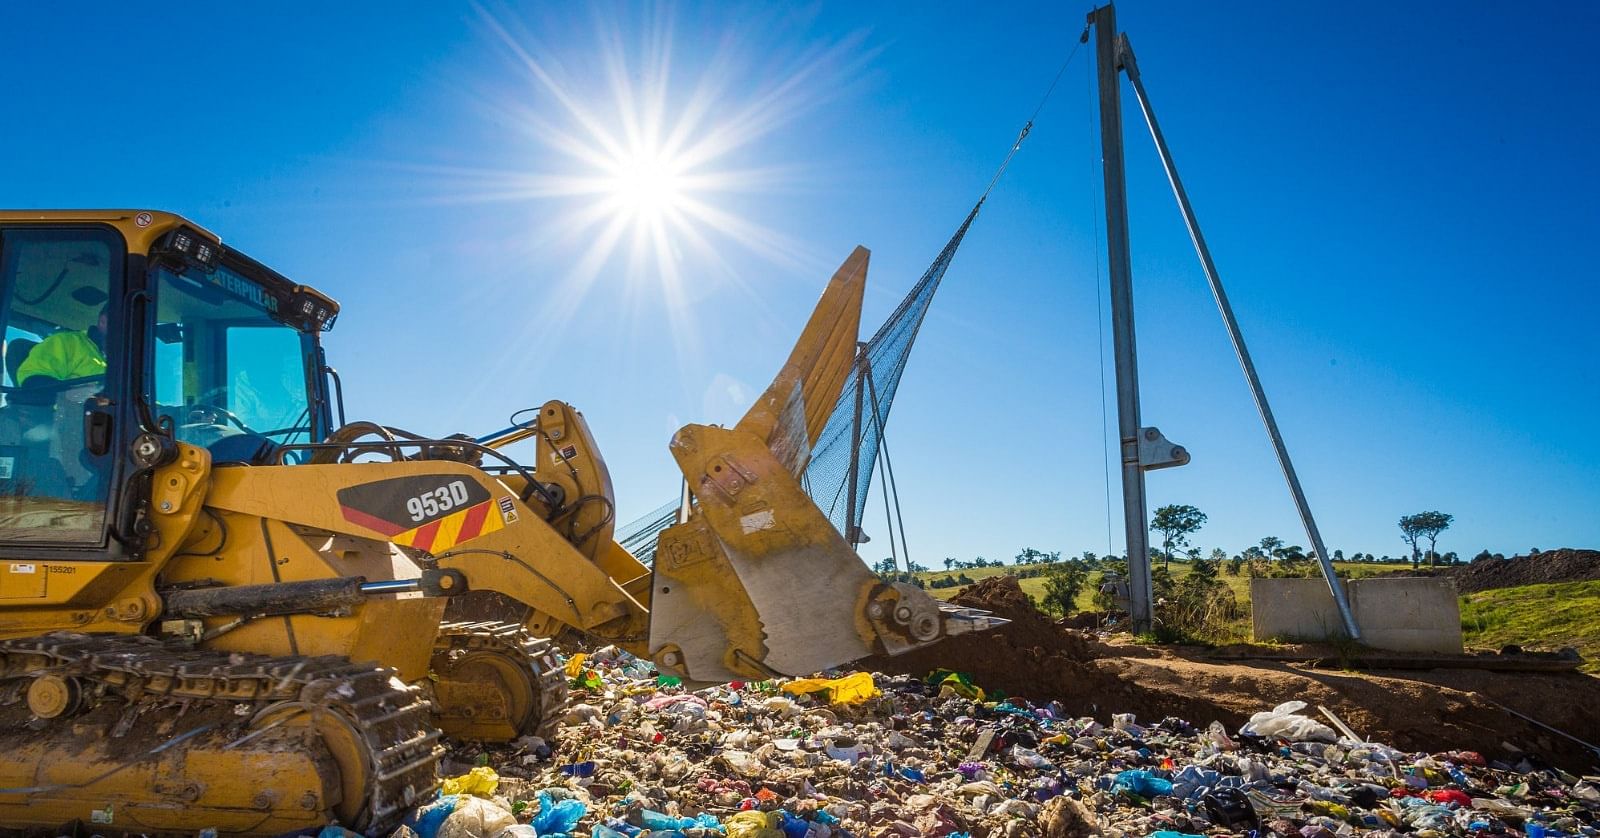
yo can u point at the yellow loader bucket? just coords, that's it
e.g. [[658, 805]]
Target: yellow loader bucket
[[755, 581]]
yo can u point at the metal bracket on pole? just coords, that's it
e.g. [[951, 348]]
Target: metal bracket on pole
[[1156, 451], [1129, 65]]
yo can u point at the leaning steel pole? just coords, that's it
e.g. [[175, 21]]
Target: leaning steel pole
[[1104, 20], [1235, 336]]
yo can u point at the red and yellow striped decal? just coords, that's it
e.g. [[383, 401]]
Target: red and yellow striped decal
[[452, 529]]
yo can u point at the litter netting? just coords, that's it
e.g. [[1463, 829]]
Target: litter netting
[[842, 461], [639, 535]]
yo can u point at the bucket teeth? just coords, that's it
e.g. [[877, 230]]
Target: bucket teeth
[[961, 620]]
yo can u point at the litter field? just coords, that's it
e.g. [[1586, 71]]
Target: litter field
[[1036, 730], [1419, 710]]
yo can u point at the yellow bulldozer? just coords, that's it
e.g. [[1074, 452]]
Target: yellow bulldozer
[[220, 608]]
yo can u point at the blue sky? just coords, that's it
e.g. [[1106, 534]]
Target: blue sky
[[1400, 197]]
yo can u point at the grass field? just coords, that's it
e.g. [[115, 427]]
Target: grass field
[[1537, 616], [1533, 616]]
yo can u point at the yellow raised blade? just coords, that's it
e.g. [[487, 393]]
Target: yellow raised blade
[[755, 581]]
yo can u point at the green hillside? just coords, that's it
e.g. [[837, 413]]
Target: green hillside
[[1537, 617]]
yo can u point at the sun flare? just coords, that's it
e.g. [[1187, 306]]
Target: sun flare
[[647, 185], [641, 159]]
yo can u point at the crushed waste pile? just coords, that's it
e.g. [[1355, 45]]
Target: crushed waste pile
[[867, 754]]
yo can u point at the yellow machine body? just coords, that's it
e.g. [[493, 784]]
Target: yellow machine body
[[195, 637]]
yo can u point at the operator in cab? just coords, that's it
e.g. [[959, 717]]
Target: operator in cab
[[67, 355]]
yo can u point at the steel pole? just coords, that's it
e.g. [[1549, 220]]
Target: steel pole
[[1237, 337], [852, 527], [1104, 20]]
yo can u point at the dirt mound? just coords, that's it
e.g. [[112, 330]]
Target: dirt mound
[[1564, 565], [1001, 595], [1434, 710]]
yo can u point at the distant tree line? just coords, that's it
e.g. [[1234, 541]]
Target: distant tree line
[[1175, 524]]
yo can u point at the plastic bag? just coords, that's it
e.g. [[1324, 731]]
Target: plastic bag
[[754, 825], [659, 822], [426, 821], [959, 683], [480, 782], [475, 817], [1143, 783], [1030, 759], [557, 816], [851, 689], [1281, 722]]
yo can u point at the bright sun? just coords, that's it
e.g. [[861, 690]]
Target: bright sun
[[648, 185], [649, 169]]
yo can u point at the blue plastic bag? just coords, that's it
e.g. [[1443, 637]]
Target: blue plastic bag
[[793, 827], [556, 817], [656, 821], [429, 818], [1143, 783]]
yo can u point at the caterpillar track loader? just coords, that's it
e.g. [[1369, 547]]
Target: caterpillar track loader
[[220, 609]]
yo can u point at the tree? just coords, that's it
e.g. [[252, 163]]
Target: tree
[[1270, 545], [1175, 522], [1411, 533], [1425, 525], [1062, 585], [948, 562], [1032, 556], [1338, 555]]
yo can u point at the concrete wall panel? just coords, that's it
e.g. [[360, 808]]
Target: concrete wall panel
[[1403, 614]]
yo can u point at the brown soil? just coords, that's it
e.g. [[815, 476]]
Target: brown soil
[[1430, 710], [1564, 565]]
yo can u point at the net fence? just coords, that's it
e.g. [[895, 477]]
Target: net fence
[[843, 460]]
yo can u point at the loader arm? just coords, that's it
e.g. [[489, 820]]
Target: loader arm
[[447, 516], [754, 581]]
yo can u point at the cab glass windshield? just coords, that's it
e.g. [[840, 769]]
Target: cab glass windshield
[[229, 375]]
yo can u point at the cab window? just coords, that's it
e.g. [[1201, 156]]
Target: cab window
[[228, 374], [55, 303]]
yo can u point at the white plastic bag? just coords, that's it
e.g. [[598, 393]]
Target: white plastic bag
[[1281, 722]]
